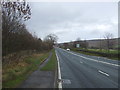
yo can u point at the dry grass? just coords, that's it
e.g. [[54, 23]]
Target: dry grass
[[13, 74]]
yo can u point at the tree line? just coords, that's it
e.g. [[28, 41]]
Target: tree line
[[15, 36]]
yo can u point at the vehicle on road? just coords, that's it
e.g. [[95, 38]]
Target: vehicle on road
[[82, 71], [68, 49]]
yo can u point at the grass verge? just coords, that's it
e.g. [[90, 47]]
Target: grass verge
[[13, 75], [95, 54], [105, 51], [51, 64]]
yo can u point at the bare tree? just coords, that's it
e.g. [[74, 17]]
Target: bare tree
[[15, 36], [13, 16], [13, 13], [51, 39], [107, 37]]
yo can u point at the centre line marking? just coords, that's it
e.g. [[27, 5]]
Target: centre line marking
[[103, 73]]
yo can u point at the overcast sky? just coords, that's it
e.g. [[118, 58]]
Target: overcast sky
[[87, 20]]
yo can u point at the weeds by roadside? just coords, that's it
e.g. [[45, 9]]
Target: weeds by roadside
[[51, 64], [94, 52], [14, 74]]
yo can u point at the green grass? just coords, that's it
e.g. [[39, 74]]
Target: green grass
[[14, 74], [105, 51], [51, 64], [97, 50], [75, 50]]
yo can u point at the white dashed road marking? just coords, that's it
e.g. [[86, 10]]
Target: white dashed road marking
[[93, 59], [103, 73]]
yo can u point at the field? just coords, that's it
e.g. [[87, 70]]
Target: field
[[112, 54], [105, 51]]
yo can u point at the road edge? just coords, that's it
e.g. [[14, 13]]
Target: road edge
[[59, 73]]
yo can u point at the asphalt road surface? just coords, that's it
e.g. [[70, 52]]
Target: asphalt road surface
[[84, 71]]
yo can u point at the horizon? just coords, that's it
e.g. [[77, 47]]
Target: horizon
[[89, 40]]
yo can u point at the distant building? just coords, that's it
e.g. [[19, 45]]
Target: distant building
[[97, 43], [80, 44], [77, 45], [102, 43]]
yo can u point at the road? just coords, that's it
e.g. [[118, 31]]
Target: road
[[84, 71]]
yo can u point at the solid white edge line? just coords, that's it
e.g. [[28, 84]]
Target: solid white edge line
[[93, 59], [59, 73], [103, 73]]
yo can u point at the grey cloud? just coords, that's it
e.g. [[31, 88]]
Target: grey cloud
[[71, 19]]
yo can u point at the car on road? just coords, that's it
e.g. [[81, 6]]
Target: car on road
[[68, 49]]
